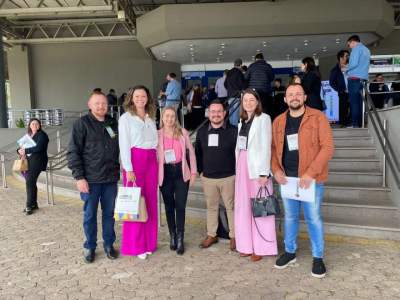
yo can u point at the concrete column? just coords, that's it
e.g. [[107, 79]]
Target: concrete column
[[3, 99], [19, 77]]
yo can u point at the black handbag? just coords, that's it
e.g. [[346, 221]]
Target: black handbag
[[267, 205]]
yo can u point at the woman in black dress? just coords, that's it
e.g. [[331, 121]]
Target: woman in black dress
[[311, 83], [37, 162]]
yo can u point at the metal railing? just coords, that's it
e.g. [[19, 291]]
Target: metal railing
[[380, 128]]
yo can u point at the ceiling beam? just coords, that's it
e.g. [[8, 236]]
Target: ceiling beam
[[72, 39], [15, 12]]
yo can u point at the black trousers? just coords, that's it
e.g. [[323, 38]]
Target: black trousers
[[31, 188], [343, 108], [174, 191], [267, 102]]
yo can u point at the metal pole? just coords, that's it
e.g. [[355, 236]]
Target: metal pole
[[3, 171], [384, 155], [52, 187], [58, 142], [363, 109], [47, 187], [3, 98]]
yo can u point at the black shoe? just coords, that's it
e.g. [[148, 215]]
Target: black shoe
[[172, 241], [285, 260], [28, 211], [180, 248], [88, 255], [111, 252], [318, 268], [30, 208]]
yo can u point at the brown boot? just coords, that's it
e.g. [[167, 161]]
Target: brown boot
[[244, 254], [232, 244], [208, 242], [255, 258]]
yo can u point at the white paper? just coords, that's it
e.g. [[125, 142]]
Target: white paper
[[213, 140], [242, 142], [128, 200], [293, 141], [26, 142], [169, 156], [292, 190]]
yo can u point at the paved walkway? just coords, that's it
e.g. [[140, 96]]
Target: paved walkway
[[41, 258]]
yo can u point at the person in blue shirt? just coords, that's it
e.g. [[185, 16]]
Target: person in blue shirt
[[357, 71], [173, 91]]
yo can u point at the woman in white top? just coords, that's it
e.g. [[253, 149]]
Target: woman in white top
[[254, 237], [138, 141]]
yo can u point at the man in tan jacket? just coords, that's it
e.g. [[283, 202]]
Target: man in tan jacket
[[302, 146]]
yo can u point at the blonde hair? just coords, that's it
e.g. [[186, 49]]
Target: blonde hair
[[150, 107], [177, 126]]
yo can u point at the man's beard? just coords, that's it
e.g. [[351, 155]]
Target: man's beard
[[296, 106]]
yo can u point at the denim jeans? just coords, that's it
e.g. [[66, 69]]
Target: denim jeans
[[105, 193], [174, 191], [234, 111], [355, 99], [312, 216]]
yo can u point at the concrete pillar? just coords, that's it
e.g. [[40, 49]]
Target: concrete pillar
[[3, 99], [19, 77]]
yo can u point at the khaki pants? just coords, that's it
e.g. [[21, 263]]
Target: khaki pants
[[214, 190]]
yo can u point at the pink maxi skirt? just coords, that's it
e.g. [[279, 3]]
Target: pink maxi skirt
[[248, 239], [139, 238]]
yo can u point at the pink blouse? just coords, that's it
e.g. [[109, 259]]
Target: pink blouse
[[171, 143]]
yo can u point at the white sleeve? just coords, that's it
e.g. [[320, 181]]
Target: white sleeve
[[266, 140], [124, 143]]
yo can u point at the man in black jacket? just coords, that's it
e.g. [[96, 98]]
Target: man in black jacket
[[234, 84], [93, 158], [338, 82], [259, 76]]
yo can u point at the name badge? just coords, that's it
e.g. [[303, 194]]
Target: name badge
[[213, 140], [111, 132], [169, 156], [293, 142], [242, 142]]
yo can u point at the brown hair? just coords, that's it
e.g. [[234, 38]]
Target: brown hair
[[257, 112], [177, 126], [150, 107], [293, 84], [29, 125]]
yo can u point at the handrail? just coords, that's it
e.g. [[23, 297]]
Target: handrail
[[383, 138]]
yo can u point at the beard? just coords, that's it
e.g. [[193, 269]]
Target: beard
[[295, 105]]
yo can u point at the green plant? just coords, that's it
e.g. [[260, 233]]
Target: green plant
[[20, 123]]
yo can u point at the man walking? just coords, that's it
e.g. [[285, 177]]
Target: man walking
[[220, 88], [357, 72], [173, 91], [338, 81], [235, 84], [302, 146], [259, 76], [93, 158], [215, 154]]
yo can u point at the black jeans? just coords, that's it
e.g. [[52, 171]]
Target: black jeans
[[343, 108], [174, 191], [31, 188]]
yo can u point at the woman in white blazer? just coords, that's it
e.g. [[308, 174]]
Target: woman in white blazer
[[254, 237]]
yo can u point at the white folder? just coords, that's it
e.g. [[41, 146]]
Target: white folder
[[292, 190]]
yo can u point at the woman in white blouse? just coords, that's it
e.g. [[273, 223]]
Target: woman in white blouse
[[138, 141]]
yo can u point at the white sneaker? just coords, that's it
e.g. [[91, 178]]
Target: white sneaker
[[142, 256], [149, 253]]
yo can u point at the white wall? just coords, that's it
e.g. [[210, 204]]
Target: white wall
[[64, 74]]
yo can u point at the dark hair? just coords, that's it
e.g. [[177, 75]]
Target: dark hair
[[112, 91], [98, 93], [341, 53], [293, 84], [216, 101], [30, 122], [378, 74], [226, 71], [259, 56], [279, 80], [172, 75], [354, 38], [150, 107], [238, 62], [97, 90], [258, 111], [244, 68], [309, 62]]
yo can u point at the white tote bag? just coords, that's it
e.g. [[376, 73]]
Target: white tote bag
[[129, 205]]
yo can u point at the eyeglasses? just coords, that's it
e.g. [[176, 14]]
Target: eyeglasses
[[295, 95]]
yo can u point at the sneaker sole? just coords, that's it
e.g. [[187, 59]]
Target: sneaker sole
[[285, 266], [318, 275]]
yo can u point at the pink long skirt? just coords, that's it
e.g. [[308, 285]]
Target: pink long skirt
[[138, 238], [248, 239]]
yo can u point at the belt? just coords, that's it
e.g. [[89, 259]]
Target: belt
[[354, 78]]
